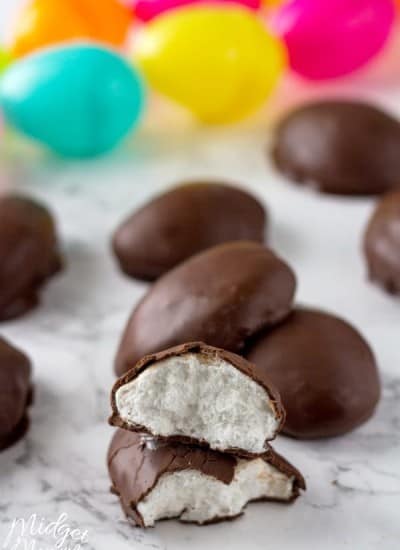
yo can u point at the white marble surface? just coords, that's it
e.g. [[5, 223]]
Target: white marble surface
[[353, 496]]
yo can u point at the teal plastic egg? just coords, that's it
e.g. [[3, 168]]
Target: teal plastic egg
[[80, 100]]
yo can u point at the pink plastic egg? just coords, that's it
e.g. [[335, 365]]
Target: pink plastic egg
[[331, 38], [148, 9]]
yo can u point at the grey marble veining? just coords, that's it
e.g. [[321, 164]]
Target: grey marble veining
[[353, 496]]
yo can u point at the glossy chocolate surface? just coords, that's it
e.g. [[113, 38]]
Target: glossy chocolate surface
[[324, 371], [15, 393], [382, 243], [136, 462], [182, 222], [340, 147], [29, 254], [221, 297]]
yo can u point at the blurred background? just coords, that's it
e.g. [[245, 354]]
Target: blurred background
[[376, 78], [354, 488]]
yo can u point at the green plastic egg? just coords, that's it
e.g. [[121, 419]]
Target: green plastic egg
[[79, 101]]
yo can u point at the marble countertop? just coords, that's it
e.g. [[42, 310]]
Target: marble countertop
[[353, 493], [353, 496]]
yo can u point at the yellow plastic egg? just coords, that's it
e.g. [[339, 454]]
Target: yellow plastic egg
[[219, 62], [4, 60]]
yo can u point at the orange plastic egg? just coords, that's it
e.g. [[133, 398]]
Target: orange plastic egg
[[273, 3], [47, 22]]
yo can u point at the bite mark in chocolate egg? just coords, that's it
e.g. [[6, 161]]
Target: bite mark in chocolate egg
[[158, 480]]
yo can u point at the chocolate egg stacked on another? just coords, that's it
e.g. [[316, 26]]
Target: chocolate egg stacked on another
[[195, 421], [223, 297], [195, 424]]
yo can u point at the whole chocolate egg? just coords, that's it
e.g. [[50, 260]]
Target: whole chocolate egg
[[339, 147], [182, 222], [222, 296], [324, 370], [382, 243]]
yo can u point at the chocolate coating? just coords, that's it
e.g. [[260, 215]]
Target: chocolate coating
[[136, 462], [28, 254], [15, 393], [182, 222], [221, 297], [340, 147], [241, 364], [382, 243], [324, 370]]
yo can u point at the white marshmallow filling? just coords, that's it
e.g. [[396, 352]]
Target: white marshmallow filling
[[203, 398], [193, 496]]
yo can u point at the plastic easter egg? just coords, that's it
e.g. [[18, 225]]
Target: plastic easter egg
[[273, 3], [48, 22], [145, 10], [220, 63], [330, 39], [80, 101], [4, 60]]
